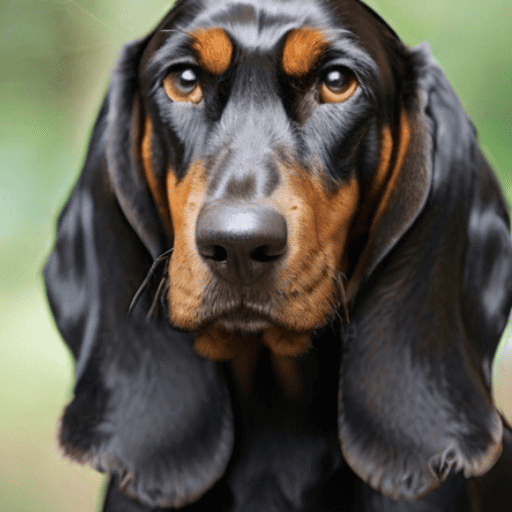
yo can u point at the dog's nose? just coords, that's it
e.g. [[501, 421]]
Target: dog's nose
[[240, 242]]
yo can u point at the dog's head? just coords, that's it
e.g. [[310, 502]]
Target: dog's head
[[272, 140], [301, 164]]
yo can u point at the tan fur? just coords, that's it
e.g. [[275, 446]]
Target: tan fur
[[302, 49], [214, 49]]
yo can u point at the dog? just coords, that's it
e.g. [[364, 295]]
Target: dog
[[284, 272]]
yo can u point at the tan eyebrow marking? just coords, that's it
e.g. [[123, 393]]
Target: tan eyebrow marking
[[214, 49], [302, 49]]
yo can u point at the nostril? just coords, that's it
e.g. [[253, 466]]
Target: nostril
[[265, 253], [215, 253], [219, 253]]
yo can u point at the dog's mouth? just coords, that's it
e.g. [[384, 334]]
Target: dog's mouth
[[230, 327], [242, 323], [251, 310], [244, 318], [280, 311], [236, 333]]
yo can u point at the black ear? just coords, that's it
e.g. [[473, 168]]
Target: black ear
[[145, 408], [415, 390]]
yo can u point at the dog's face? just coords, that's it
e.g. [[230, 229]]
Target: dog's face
[[277, 121]]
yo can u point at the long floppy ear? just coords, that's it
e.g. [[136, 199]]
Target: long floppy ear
[[431, 303], [146, 408]]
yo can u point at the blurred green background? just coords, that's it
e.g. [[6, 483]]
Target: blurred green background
[[56, 57]]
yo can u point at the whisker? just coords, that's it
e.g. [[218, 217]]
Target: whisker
[[174, 30], [156, 298], [142, 288], [160, 294], [339, 280], [165, 292]]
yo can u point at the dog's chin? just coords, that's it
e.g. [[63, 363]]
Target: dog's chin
[[225, 340], [230, 336]]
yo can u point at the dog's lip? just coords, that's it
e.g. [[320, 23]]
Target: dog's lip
[[240, 314]]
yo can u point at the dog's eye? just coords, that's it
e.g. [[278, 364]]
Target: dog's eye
[[183, 86], [338, 85]]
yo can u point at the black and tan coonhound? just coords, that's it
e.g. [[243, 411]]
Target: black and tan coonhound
[[284, 272]]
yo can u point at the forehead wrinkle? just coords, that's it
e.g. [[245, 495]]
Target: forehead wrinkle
[[245, 14], [285, 10], [267, 23]]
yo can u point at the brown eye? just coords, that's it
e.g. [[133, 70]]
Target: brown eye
[[338, 85], [183, 86]]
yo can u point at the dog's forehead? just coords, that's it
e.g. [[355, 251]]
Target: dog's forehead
[[256, 23], [261, 24]]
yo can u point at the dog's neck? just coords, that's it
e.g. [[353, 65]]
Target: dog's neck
[[286, 372]]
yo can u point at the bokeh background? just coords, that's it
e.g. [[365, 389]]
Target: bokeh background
[[55, 61]]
